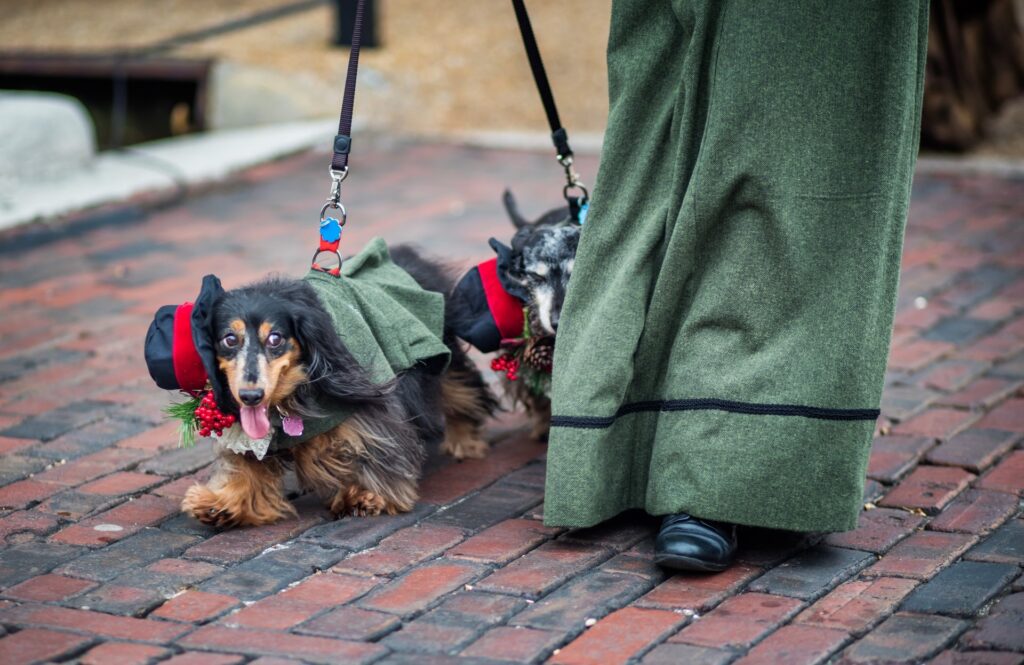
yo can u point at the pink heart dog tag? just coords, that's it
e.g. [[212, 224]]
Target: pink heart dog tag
[[292, 425]]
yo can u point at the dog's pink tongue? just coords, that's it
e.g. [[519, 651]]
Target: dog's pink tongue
[[255, 422]]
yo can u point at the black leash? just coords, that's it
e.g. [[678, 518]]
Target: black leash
[[330, 227], [559, 137]]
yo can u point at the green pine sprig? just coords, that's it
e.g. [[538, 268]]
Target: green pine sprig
[[185, 413]]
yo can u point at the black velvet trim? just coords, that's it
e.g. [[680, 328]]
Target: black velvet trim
[[711, 404]]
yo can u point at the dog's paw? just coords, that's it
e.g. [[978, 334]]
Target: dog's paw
[[225, 509], [465, 448], [360, 502], [206, 506]]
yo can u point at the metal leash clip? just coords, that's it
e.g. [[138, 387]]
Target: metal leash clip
[[572, 180], [330, 227]]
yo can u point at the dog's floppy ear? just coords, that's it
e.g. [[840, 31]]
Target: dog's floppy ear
[[333, 373], [513, 210]]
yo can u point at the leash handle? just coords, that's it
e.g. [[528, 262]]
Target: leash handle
[[331, 226], [559, 137]]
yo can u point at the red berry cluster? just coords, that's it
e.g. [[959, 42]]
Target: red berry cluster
[[508, 364], [210, 418]]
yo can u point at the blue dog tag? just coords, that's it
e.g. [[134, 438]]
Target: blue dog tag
[[330, 230]]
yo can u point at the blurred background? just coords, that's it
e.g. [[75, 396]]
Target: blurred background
[[79, 77], [190, 65]]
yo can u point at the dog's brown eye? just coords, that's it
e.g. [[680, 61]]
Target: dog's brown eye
[[229, 341], [274, 340]]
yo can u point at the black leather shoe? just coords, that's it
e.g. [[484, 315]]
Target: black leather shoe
[[688, 543]]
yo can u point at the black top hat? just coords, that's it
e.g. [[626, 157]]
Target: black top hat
[[180, 348], [488, 310]]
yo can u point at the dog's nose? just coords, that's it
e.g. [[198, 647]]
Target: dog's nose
[[251, 396], [554, 323]]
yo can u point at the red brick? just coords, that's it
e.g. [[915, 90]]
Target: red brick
[[982, 393], [195, 607], [271, 643], [176, 489], [123, 482], [89, 467], [31, 521], [914, 355], [130, 516], [203, 658], [619, 636], [48, 588], [514, 643], [903, 638], [974, 450], [878, 530], [892, 456], [239, 544], [424, 636], [1008, 416], [921, 555], [699, 592], [739, 621], [796, 644], [544, 568], [921, 319], [34, 645], [998, 345], [162, 437], [1008, 476], [183, 568], [951, 375], [120, 653], [857, 605], [976, 511], [419, 588], [977, 658], [1003, 631], [9, 445], [937, 422], [351, 623], [456, 480], [504, 541], [22, 493], [929, 488], [994, 309], [297, 604], [104, 625], [402, 550]]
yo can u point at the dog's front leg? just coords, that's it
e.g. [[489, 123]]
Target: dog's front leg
[[243, 491], [349, 469]]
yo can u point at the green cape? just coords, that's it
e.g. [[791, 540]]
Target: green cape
[[385, 319]]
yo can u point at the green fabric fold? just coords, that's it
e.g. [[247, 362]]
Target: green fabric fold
[[385, 319]]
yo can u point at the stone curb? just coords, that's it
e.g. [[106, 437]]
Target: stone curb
[[158, 168]]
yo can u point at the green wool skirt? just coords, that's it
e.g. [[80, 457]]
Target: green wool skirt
[[725, 332]]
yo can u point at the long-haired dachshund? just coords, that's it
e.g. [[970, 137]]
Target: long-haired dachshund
[[279, 352]]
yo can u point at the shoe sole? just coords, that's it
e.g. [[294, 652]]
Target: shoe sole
[[686, 563]]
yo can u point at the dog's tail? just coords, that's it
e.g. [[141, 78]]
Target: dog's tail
[[513, 210]]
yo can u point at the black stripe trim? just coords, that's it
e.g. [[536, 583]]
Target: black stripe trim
[[711, 404]]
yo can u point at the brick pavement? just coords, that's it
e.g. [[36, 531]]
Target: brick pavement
[[98, 566]]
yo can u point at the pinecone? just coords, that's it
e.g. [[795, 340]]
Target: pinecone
[[539, 353]]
